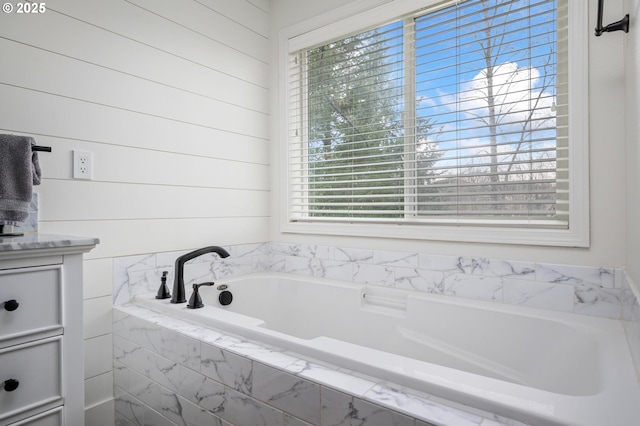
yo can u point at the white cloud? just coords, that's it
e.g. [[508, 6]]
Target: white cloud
[[517, 94]]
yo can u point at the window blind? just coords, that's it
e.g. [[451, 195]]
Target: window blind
[[456, 115]]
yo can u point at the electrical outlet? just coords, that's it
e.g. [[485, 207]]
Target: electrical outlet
[[82, 164]]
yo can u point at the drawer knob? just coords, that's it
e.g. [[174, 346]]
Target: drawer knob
[[11, 305], [11, 385]]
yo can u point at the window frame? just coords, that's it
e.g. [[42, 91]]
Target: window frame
[[363, 15]]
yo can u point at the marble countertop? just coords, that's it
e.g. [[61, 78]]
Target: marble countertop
[[45, 241]]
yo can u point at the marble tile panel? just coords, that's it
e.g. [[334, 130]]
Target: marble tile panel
[[334, 270], [262, 353], [128, 353], [353, 255], [230, 369], [145, 334], [510, 269], [199, 333], [232, 267], [277, 263], [127, 379], [439, 263], [120, 323], [120, 378], [150, 394], [153, 418], [122, 268], [618, 277], [169, 405], [474, 287], [180, 348], [340, 379], [261, 263], [487, 422], [501, 421], [557, 297], [395, 258], [161, 370], [147, 363], [221, 340], [339, 409], [571, 274], [599, 302], [473, 265], [285, 249], [299, 265], [201, 390], [420, 279], [198, 272], [121, 421], [629, 301], [374, 274], [287, 392], [315, 251], [183, 412], [240, 409], [421, 408], [129, 408], [289, 420]]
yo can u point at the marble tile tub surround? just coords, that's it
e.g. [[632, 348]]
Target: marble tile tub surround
[[596, 291], [170, 372], [139, 389], [133, 275]]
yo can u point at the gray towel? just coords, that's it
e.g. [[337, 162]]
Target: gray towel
[[19, 171]]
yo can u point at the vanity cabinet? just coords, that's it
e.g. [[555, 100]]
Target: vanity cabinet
[[41, 331]]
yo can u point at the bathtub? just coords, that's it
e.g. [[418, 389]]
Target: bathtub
[[536, 366]]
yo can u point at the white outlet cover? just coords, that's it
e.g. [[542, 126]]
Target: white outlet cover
[[82, 164]]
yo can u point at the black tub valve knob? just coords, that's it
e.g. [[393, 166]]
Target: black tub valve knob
[[163, 291], [195, 301]]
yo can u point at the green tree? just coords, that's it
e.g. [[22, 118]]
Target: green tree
[[357, 140]]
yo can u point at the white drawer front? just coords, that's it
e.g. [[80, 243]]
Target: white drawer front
[[37, 292], [36, 368], [50, 418]]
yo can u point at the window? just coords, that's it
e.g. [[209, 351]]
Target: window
[[452, 122]]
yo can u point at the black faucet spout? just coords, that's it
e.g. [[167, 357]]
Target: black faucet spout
[[178, 295]]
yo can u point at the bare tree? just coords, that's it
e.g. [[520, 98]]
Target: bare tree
[[502, 103]]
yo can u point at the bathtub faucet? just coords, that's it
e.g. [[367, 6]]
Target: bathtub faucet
[[178, 280]]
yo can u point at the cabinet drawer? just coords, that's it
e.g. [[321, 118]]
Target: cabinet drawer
[[38, 292], [50, 418], [35, 371]]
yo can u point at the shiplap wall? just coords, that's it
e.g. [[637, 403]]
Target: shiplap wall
[[171, 97], [632, 105]]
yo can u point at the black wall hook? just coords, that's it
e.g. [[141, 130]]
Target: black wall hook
[[621, 25]]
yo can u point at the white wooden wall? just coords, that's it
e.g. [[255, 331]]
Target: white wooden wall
[[172, 98]]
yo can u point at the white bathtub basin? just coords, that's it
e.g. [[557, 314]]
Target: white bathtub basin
[[540, 367]]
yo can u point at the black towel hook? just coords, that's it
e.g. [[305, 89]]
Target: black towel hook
[[621, 25]]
